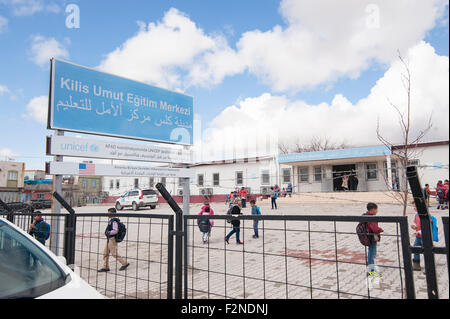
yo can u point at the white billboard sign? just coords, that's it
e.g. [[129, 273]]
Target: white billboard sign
[[66, 168], [80, 147]]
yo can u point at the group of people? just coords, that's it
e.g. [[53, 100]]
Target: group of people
[[235, 210], [441, 192], [237, 197], [349, 182]]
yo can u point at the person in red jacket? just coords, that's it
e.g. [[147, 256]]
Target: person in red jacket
[[375, 230]]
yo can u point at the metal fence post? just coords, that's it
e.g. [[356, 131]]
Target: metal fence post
[[69, 239], [445, 222], [407, 263], [178, 239], [427, 235], [170, 259], [9, 215], [69, 231]]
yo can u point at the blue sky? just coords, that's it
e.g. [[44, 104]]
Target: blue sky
[[106, 25]]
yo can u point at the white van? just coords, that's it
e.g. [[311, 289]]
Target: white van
[[30, 270], [138, 198]]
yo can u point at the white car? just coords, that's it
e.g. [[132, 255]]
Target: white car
[[30, 270], [137, 198]]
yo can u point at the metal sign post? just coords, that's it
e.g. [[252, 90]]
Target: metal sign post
[[56, 206]]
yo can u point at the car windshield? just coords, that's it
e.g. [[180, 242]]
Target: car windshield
[[26, 271], [148, 192]]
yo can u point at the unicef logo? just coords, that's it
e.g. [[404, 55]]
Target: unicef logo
[[94, 148]]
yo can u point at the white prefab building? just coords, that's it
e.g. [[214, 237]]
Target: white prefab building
[[256, 174], [376, 168], [432, 160]]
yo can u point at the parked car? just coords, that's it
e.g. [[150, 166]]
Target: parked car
[[138, 198], [30, 270]]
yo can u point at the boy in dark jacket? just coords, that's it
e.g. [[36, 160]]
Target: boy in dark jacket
[[235, 211], [372, 209], [39, 229], [111, 245]]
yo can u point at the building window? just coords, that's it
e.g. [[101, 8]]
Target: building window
[[136, 183], [239, 178], [84, 183], [163, 181], [303, 174], [40, 196], [151, 182], [371, 171], [200, 180], [318, 174], [12, 175], [117, 183], [265, 177], [93, 183], [216, 179], [111, 184], [286, 175]]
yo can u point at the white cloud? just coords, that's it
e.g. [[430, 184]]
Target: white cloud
[[3, 89], [30, 7], [42, 49], [328, 39], [321, 42], [243, 125], [37, 109], [3, 24], [161, 52]]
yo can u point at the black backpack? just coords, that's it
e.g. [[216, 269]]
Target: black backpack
[[364, 237], [122, 230], [204, 225]]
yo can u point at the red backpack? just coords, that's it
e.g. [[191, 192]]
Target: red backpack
[[362, 230]]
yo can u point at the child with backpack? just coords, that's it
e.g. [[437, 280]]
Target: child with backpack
[[255, 211], [114, 232], [440, 195], [235, 211], [369, 234], [418, 233], [205, 225], [40, 229]]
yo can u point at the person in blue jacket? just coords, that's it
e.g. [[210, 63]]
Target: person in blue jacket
[[255, 211], [39, 229]]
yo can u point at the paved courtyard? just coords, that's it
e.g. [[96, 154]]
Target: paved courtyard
[[291, 259]]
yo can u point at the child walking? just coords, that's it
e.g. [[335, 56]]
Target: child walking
[[235, 211], [255, 211], [373, 229], [205, 225]]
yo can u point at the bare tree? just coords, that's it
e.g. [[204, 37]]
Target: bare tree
[[315, 145], [408, 150]]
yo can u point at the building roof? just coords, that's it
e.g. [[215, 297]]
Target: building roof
[[424, 144], [236, 160], [344, 153]]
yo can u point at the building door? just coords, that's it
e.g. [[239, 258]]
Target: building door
[[339, 171]]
